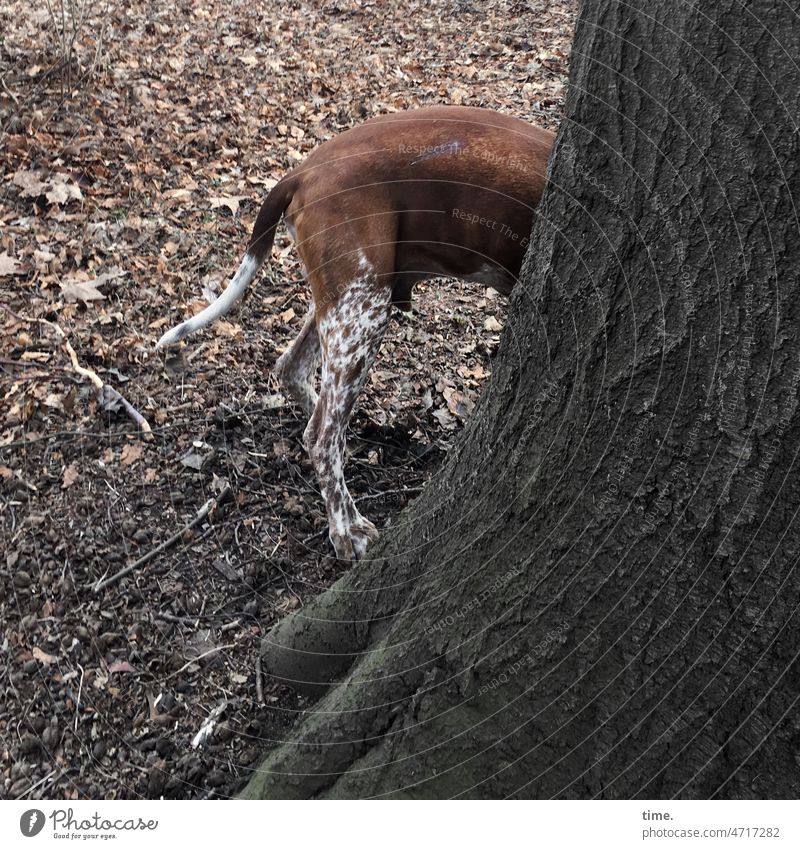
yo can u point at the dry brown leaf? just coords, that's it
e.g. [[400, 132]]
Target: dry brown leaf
[[30, 183], [71, 474], [61, 192], [226, 328], [232, 203], [178, 194], [121, 666], [287, 604], [9, 266], [43, 656], [131, 452], [478, 371], [457, 403], [80, 290], [54, 401], [492, 325]]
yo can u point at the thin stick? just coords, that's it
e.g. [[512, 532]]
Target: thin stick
[[259, 684], [13, 96], [95, 379], [199, 516], [78, 703], [90, 375], [41, 781], [200, 657]]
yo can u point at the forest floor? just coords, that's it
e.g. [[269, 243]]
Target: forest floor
[[130, 175]]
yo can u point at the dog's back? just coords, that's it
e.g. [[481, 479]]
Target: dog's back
[[457, 185]]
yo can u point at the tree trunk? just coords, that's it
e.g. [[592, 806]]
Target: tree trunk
[[597, 595]]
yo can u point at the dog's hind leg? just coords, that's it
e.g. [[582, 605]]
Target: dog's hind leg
[[350, 332], [296, 368]]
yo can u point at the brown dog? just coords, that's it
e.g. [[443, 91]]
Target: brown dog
[[437, 192]]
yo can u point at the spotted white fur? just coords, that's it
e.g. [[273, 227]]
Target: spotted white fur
[[296, 368], [350, 334]]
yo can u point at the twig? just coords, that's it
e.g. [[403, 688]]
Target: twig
[[11, 94], [78, 702], [41, 781], [199, 516], [259, 684], [200, 657], [207, 728], [104, 389]]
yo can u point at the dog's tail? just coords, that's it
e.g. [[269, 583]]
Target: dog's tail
[[257, 251]]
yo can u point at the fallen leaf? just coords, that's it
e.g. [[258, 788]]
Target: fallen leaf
[[227, 328], [43, 656], [232, 203], [110, 399], [131, 452], [478, 371], [9, 266], [62, 193], [445, 419], [71, 474], [178, 194], [30, 183], [121, 666], [112, 273], [492, 325], [80, 290], [457, 403], [54, 402], [193, 460]]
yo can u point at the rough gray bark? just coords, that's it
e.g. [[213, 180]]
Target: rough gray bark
[[598, 595]]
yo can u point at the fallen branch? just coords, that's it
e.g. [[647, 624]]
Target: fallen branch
[[201, 514], [108, 395], [259, 683]]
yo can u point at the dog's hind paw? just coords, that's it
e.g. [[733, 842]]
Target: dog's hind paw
[[351, 544]]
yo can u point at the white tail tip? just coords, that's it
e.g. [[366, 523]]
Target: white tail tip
[[234, 291]]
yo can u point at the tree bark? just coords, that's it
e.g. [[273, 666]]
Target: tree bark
[[597, 596]]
